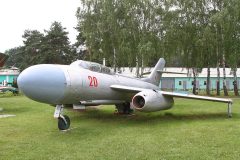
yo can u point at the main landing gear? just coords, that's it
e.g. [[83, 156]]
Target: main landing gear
[[124, 109], [63, 120]]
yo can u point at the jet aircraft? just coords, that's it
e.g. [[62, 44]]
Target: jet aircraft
[[84, 83]]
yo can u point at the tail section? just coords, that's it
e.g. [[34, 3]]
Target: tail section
[[156, 73]]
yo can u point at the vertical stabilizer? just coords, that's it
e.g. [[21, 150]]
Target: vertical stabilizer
[[156, 73]]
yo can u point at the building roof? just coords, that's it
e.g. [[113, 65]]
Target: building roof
[[11, 71], [213, 72]]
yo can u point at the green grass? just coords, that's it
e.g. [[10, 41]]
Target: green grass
[[191, 130]]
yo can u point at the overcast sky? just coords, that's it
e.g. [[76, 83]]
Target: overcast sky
[[19, 15]]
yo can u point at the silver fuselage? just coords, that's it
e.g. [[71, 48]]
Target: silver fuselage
[[66, 84]]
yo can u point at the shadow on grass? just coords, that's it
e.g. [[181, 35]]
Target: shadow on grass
[[108, 117], [21, 108], [16, 110]]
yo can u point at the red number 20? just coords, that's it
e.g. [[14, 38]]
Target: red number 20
[[93, 81]]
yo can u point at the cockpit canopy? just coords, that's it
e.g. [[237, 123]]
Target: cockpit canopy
[[92, 66]]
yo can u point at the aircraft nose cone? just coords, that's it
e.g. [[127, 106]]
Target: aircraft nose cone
[[44, 83]]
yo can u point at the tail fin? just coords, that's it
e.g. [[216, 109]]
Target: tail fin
[[156, 73]]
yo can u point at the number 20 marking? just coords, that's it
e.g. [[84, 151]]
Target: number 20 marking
[[93, 81]]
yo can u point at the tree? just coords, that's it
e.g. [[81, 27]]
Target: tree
[[56, 46], [32, 40], [53, 47], [196, 34], [232, 38], [15, 58], [122, 31]]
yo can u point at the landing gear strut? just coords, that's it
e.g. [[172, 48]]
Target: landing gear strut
[[63, 120], [229, 110], [124, 108]]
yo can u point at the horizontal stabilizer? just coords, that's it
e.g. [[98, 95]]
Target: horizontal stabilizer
[[170, 72], [167, 72], [145, 73]]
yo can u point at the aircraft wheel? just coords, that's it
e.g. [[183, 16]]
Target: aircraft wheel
[[119, 108], [127, 109], [124, 108], [63, 122]]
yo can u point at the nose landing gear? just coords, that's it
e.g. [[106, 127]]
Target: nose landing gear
[[63, 120]]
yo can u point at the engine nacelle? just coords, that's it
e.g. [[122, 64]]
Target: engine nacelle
[[150, 101]]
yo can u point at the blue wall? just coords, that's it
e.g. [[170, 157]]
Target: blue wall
[[185, 83], [5, 77]]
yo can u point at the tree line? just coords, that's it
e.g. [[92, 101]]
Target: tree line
[[193, 34], [52, 46], [187, 33]]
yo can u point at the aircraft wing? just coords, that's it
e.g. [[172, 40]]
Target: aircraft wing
[[189, 96], [171, 94], [127, 88]]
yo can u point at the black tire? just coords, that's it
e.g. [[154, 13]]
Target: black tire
[[124, 108], [127, 108], [62, 125], [119, 108]]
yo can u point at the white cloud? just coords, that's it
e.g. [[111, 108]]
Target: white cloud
[[18, 15]]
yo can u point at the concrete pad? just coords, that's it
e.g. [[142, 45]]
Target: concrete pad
[[7, 115]]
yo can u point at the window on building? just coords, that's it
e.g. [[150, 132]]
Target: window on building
[[180, 83], [205, 83]]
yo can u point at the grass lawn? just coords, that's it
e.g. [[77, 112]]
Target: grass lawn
[[191, 130]]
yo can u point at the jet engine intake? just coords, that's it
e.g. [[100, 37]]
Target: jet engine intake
[[151, 101]]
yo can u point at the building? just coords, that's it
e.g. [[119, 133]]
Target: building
[[185, 81], [7, 76]]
